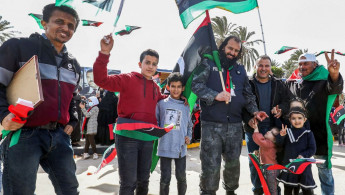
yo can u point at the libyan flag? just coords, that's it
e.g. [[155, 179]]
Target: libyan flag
[[91, 23], [201, 41], [140, 130], [127, 31], [38, 18], [284, 49], [338, 115], [191, 9]]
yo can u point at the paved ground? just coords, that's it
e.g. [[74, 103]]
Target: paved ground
[[107, 182]]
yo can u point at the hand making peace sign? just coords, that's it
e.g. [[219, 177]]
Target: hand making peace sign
[[333, 66]]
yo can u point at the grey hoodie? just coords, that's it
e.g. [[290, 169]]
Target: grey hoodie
[[169, 110]]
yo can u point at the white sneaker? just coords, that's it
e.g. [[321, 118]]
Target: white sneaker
[[86, 155], [95, 156]]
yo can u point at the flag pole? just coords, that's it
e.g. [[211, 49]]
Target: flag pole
[[218, 65], [262, 30]]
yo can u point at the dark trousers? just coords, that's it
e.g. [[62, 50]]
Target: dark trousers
[[220, 140], [180, 172], [49, 148], [134, 159], [90, 140]]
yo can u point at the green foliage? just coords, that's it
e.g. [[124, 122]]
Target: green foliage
[[277, 71], [5, 33]]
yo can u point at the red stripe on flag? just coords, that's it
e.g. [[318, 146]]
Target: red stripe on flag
[[111, 133], [205, 22], [262, 178]]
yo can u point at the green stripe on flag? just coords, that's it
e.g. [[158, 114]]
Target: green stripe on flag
[[136, 135], [196, 10]]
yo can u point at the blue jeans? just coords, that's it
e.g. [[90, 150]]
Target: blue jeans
[[325, 176], [49, 148], [134, 159], [180, 172], [251, 147]]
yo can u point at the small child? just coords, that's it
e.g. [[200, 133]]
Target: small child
[[91, 126], [268, 155], [299, 143], [173, 145]]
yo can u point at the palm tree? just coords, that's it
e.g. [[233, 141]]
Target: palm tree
[[4, 33], [249, 53], [222, 29]]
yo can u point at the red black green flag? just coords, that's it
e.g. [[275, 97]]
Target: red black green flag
[[127, 31], [338, 52], [38, 18], [108, 156], [284, 49], [201, 41], [260, 170], [338, 114], [140, 130], [101, 4], [191, 9], [91, 23]]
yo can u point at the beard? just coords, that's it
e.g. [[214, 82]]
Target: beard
[[225, 61]]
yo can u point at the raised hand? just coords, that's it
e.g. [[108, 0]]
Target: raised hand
[[283, 131], [253, 124], [276, 111], [333, 66], [107, 44]]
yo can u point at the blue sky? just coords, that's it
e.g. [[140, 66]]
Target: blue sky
[[315, 25]]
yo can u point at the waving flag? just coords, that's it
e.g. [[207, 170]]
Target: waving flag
[[295, 76], [38, 18], [101, 4], [285, 49], [91, 23], [119, 13], [68, 3], [322, 52], [127, 31], [140, 130], [338, 114], [191, 9], [108, 156], [191, 56]]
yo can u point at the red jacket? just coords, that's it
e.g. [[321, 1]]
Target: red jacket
[[267, 149], [138, 96]]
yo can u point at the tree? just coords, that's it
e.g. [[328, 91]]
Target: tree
[[4, 30], [276, 69], [222, 28], [249, 53]]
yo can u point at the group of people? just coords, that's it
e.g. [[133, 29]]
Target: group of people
[[257, 104]]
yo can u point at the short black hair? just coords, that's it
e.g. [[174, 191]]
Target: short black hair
[[89, 71], [50, 8], [175, 77], [298, 99], [149, 52], [225, 42]]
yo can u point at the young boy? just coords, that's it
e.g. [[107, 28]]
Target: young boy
[[173, 145], [138, 100]]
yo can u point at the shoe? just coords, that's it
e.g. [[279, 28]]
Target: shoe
[[76, 144], [95, 156], [230, 193], [86, 155]]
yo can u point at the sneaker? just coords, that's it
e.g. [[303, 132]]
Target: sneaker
[[86, 155], [95, 156]]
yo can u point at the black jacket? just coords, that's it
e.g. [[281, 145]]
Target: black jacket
[[280, 95]]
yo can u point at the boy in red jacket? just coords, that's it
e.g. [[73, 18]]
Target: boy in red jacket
[[139, 95]]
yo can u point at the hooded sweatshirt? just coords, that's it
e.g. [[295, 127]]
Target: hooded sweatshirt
[[138, 96]]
